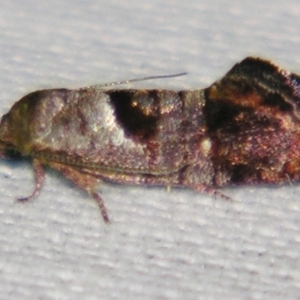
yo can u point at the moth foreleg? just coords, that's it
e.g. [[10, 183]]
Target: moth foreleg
[[85, 182], [39, 180]]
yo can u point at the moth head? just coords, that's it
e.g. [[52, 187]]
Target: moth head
[[30, 119], [15, 133]]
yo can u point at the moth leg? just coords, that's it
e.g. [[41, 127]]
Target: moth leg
[[84, 181], [39, 175], [210, 191]]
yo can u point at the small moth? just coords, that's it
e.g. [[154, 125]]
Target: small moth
[[243, 129]]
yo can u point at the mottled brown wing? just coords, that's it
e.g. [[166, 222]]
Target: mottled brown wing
[[252, 115]]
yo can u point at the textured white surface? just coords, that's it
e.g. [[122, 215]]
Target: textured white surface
[[160, 245]]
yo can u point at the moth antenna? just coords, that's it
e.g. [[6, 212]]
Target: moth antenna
[[136, 80]]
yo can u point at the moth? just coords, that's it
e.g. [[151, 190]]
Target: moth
[[243, 129]]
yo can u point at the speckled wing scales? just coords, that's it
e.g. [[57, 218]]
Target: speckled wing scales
[[243, 129]]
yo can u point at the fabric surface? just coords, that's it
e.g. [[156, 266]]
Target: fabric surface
[[159, 245]]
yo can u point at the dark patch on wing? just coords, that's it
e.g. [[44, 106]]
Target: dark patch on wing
[[134, 114], [220, 114]]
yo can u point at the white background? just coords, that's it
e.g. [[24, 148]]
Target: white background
[[160, 245]]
